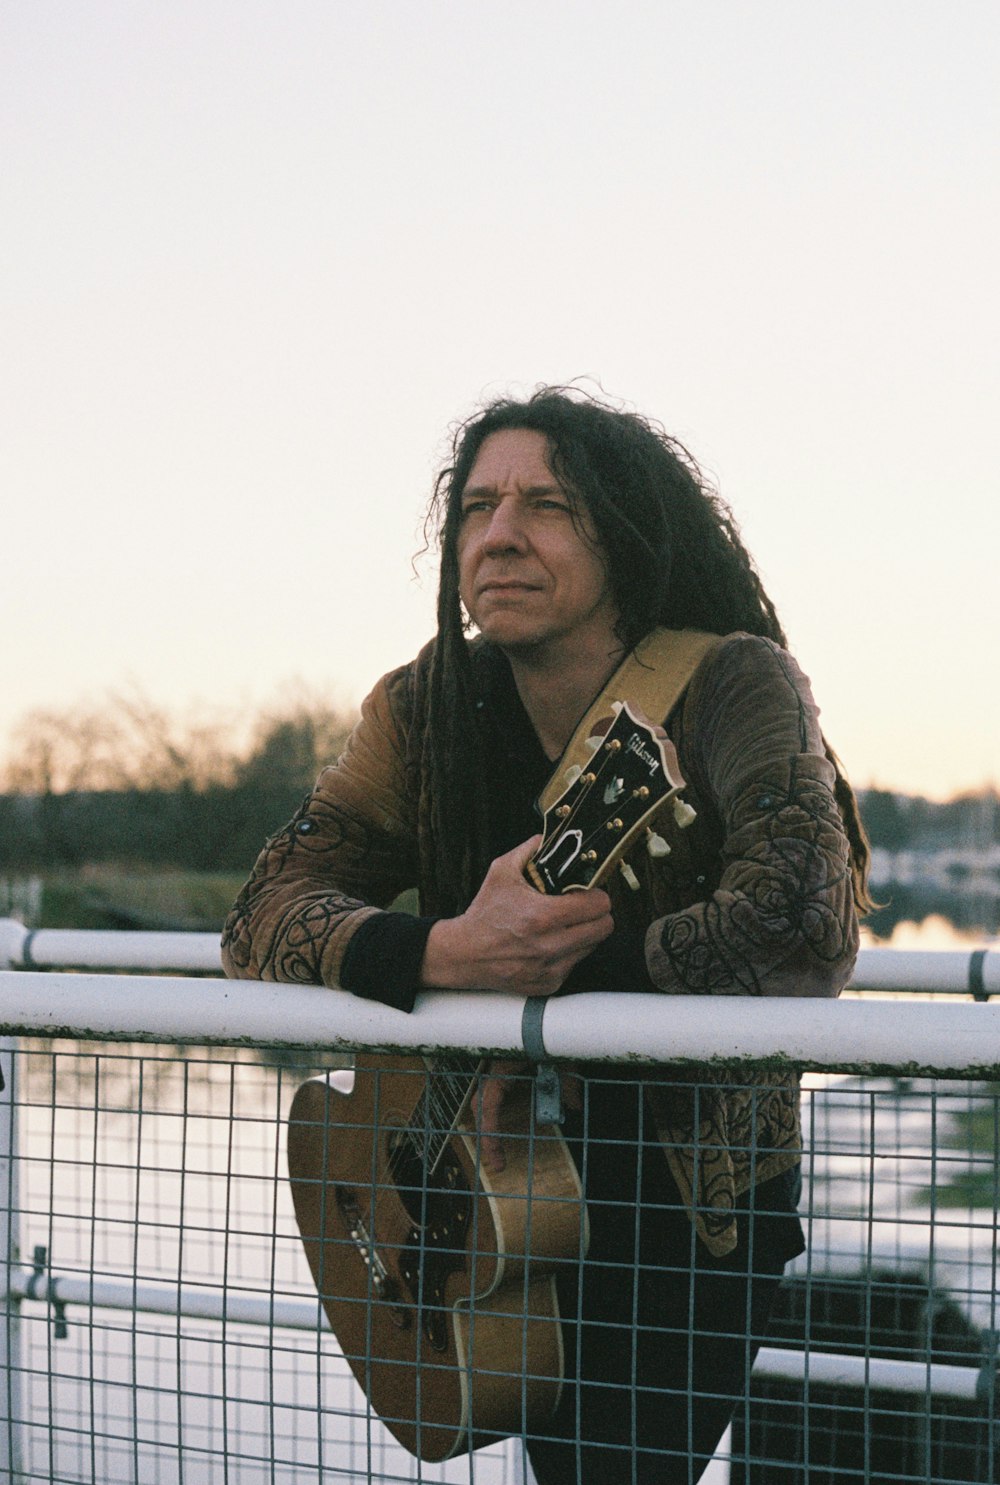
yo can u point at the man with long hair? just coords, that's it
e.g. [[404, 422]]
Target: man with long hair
[[570, 531]]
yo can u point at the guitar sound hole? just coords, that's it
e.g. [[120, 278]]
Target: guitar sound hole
[[406, 1166]]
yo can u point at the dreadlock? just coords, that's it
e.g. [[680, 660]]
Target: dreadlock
[[675, 558]]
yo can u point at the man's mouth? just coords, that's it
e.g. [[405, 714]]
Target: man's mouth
[[506, 585]]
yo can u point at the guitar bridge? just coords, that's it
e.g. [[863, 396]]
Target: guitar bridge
[[383, 1285]]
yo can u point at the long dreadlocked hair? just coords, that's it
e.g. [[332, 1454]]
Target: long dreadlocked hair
[[674, 557]]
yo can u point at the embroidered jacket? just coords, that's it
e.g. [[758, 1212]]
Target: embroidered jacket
[[755, 898]]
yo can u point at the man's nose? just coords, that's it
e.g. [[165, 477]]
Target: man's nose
[[506, 529]]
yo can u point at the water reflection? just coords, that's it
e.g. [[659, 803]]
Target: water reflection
[[952, 920], [925, 904]]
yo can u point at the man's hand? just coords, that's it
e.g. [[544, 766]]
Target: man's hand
[[512, 938], [494, 1088]]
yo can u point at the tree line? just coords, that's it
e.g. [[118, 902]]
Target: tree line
[[904, 822], [126, 781]]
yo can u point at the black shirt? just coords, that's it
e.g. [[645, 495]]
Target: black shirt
[[382, 961]]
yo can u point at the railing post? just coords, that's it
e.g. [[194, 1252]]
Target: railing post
[[12, 936]]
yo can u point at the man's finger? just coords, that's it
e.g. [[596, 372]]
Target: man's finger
[[493, 1089], [520, 855], [488, 1101]]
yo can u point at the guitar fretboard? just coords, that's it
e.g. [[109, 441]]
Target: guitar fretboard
[[446, 1089]]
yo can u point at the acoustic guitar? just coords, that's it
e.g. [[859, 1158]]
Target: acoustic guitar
[[437, 1275]]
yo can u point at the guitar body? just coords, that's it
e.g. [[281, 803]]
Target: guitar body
[[436, 1275]]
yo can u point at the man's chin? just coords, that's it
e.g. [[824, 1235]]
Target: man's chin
[[513, 639]]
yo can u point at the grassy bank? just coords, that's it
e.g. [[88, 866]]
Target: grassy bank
[[109, 896]]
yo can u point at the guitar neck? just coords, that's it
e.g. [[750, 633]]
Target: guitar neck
[[446, 1093]]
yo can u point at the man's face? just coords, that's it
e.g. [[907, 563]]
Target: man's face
[[531, 572]]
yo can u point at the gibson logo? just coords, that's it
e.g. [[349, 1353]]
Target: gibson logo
[[634, 745]]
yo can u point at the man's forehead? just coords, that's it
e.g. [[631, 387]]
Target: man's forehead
[[513, 458]]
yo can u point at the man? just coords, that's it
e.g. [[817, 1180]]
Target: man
[[569, 531]]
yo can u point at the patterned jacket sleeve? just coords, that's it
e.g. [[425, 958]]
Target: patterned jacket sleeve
[[781, 920], [348, 852]]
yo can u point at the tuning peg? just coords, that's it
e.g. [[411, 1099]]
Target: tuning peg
[[593, 743], [630, 877], [684, 814], [572, 773], [655, 844]]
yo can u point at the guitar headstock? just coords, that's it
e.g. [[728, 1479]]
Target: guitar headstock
[[606, 806]]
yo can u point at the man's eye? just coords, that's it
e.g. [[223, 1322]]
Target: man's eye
[[471, 506]]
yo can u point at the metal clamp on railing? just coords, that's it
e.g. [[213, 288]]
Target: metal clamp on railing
[[548, 1092], [987, 1393], [40, 1271], [977, 975]]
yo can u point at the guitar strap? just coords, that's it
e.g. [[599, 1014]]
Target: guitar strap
[[652, 678]]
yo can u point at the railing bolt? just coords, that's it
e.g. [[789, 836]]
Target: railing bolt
[[40, 1271]]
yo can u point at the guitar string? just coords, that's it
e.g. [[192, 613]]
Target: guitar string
[[433, 1118], [585, 792], [583, 797], [456, 1083], [432, 1121], [431, 1124]]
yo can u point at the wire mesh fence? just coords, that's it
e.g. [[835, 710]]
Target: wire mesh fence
[[164, 1322], [896, 1291]]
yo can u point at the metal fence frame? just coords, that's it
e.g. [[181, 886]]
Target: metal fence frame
[[51, 989]]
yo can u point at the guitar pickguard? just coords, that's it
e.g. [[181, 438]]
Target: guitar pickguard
[[436, 1249]]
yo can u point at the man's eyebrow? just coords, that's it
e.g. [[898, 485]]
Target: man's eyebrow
[[471, 491]]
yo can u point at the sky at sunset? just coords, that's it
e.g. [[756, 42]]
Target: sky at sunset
[[258, 257]]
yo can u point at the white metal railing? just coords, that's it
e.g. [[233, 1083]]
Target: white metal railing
[[853, 1035], [880, 1373], [98, 948], [825, 1035], [974, 972]]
